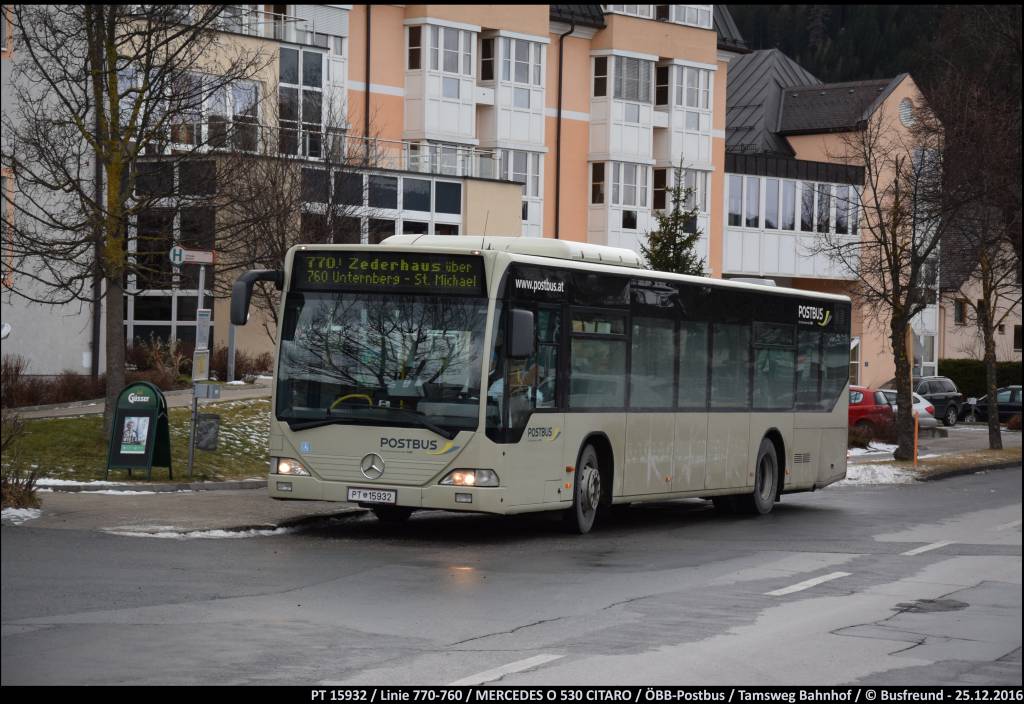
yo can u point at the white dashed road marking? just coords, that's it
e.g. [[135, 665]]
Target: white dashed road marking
[[807, 584], [1008, 526], [926, 548], [517, 666]]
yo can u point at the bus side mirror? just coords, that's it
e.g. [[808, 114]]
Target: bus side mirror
[[521, 336], [241, 291]]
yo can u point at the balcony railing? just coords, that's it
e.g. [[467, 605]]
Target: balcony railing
[[332, 146], [271, 25]]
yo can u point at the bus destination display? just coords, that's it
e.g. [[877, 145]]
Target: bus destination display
[[388, 272]]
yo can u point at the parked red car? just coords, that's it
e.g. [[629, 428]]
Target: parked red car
[[870, 411]]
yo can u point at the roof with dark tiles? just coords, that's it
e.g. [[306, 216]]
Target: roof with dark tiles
[[832, 107], [755, 84]]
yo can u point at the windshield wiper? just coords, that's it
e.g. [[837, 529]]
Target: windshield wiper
[[422, 420], [329, 419]]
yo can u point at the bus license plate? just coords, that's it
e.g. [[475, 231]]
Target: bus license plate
[[372, 496]]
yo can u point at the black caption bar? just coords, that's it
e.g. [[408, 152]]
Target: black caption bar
[[643, 695]]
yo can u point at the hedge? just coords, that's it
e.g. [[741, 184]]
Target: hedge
[[969, 375]]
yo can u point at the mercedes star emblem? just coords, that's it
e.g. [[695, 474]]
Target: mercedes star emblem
[[372, 466]]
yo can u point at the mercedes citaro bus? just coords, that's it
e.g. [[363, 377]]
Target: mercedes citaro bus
[[510, 375]]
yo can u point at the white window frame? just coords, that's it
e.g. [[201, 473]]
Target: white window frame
[[644, 78]]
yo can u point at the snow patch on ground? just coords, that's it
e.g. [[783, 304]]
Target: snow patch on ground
[[237, 382], [881, 473], [47, 481], [177, 534], [17, 516], [875, 448]]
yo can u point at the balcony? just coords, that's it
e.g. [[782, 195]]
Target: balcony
[[271, 25]]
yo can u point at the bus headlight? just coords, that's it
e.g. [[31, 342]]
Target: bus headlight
[[471, 477], [290, 467]]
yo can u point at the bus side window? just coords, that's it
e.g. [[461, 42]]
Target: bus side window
[[549, 327], [808, 369]]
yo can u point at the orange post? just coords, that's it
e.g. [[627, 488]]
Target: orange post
[[915, 438]]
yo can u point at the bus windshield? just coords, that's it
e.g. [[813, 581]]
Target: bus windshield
[[406, 360]]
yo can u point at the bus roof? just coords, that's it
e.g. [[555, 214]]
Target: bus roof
[[579, 255]]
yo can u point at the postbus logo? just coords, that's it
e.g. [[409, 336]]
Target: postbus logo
[[814, 315], [137, 398], [431, 447], [548, 433]]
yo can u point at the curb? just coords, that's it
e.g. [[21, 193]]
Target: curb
[[960, 471], [159, 488]]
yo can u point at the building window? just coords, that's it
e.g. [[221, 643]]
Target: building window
[[960, 312], [600, 76], [771, 204], [693, 15], [753, 202], [522, 166], [487, 60], [695, 190], [842, 210], [788, 205], [854, 360], [735, 200], [448, 197], [630, 182], [693, 87], [1017, 338], [633, 79], [628, 219], [824, 208], [597, 183], [300, 102], [521, 61], [661, 82], [383, 192], [415, 48], [807, 207], [415, 194], [660, 188]]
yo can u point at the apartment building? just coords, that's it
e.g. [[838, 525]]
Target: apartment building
[[534, 120]]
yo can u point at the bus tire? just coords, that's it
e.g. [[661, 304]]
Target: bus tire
[[766, 481], [392, 514], [586, 493]]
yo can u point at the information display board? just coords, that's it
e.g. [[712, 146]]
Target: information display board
[[140, 436], [388, 272]]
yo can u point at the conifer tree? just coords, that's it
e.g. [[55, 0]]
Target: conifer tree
[[672, 246]]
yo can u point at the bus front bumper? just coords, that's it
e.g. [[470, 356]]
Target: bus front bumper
[[449, 498]]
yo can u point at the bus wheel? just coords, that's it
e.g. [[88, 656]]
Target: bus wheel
[[586, 493], [766, 481], [392, 514]]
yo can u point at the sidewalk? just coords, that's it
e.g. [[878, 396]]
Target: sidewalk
[[961, 438], [180, 398], [182, 512]]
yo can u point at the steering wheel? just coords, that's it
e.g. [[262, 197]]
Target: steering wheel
[[346, 397]]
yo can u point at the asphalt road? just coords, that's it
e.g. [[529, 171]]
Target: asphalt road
[[910, 584]]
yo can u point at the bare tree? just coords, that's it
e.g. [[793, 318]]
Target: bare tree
[[100, 89], [903, 214], [981, 124], [279, 197]]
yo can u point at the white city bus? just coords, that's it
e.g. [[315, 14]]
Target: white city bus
[[509, 375]]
